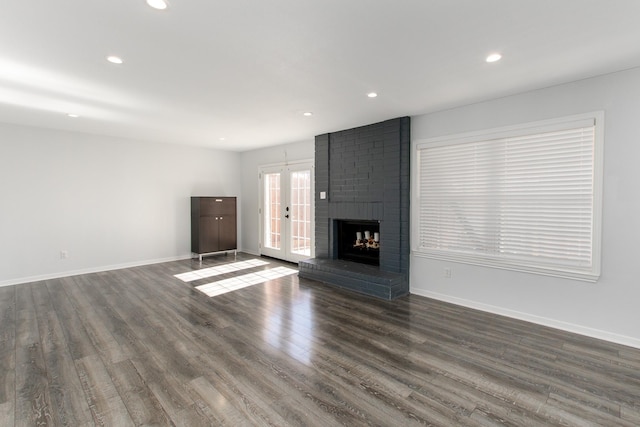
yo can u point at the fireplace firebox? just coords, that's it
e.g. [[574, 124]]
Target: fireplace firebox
[[358, 241]]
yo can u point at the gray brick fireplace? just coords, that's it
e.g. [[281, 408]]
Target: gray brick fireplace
[[362, 175]]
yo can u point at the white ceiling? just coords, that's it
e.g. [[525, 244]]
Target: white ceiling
[[246, 70]]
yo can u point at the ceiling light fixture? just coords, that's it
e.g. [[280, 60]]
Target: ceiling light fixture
[[308, 113], [115, 59], [158, 4], [494, 57], [372, 94]]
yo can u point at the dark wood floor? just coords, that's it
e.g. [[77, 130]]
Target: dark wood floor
[[140, 347]]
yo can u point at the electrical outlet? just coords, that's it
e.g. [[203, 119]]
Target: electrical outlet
[[446, 273], [64, 254]]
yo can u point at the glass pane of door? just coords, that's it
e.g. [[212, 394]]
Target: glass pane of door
[[300, 235], [272, 211]]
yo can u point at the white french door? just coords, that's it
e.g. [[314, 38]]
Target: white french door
[[286, 211]]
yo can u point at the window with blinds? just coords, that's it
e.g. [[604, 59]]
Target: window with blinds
[[525, 198]]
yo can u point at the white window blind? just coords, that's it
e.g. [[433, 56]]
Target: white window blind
[[525, 200]]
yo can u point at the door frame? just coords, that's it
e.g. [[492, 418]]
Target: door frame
[[285, 168]]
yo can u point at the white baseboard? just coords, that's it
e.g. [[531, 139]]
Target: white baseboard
[[58, 275], [250, 252], [557, 324]]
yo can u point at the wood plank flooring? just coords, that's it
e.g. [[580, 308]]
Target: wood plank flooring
[[141, 347]]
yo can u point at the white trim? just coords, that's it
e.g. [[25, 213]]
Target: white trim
[[69, 273], [539, 320], [251, 253]]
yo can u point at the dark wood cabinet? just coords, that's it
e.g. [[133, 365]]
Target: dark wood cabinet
[[213, 225]]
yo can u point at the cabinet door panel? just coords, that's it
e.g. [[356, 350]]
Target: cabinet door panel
[[208, 206], [226, 205], [227, 232], [208, 234]]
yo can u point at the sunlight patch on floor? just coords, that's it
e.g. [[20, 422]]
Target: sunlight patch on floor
[[205, 273], [227, 285]]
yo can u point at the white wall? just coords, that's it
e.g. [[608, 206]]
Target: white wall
[[607, 309], [251, 161], [109, 202]]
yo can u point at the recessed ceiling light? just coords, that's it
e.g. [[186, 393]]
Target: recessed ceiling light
[[158, 4], [308, 113], [372, 94], [114, 59], [494, 57], [72, 115], [222, 138]]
